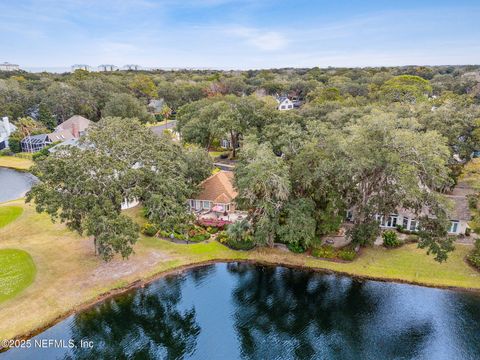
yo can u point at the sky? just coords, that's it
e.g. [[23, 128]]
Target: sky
[[234, 34]]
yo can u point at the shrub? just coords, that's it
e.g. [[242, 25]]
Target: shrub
[[296, 248], [347, 254], [390, 239], [474, 259], [364, 234], [149, 229], [324, 251], [222, 237], [246, 243], [212, 229], [219, 224], [411, 239], [199, 237]]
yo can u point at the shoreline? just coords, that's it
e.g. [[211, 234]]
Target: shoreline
[[140, 283]]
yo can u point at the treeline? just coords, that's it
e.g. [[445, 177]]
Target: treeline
[[370, 140]]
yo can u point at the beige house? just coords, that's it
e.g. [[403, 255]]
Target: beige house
[[217, 194], [458, 214]]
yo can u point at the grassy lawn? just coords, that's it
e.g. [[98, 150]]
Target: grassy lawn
[[17, 163], [17, 272], [69, 275], [8, 214]]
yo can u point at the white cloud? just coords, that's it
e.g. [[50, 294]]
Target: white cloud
[[262, 40]]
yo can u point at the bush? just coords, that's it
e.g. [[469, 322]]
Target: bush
[[363, 234], [324, 251], [411, 239], [219, 224], [347, 254], [390, 239], [246, 243], [474, 259], [212, 229], [199, 237], [296, 248], [149, 229], [403, 230]]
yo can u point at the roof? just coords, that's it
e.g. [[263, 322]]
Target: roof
[[460, 209], [281, 99], [40, 138], [156, 105], [62, 135], [76, 120], [218, 188]]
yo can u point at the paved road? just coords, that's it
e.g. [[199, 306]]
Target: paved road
[[159, 129]]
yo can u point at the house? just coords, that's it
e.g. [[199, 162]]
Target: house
[[155, 106], [67, 131], [217, 194], [5, 130], [76, 125], [34, 143], [458, 213], [9, 67], [284, 103]]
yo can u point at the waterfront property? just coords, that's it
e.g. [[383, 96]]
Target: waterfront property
[[66, 133], [6, 129], [457, 210], [216, 196]]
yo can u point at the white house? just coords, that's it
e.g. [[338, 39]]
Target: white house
[[5, 130], [458, 213], [9, 67], [284, 103]]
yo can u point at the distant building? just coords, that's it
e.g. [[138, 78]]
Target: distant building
[[107, 67], [9, 67], [67, 132], [155, 106], [81, 67], [5, 130], [284, 103], [132, 67]]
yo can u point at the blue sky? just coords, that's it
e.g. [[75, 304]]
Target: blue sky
[[239, 34]]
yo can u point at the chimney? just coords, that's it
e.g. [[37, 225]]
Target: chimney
[[75, 132], [6, 125]]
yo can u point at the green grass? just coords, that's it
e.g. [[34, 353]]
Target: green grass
[[9, 214], [17, 272], [14, 162]]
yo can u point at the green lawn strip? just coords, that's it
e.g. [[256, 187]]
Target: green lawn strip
[[9, 214], [14, 162], [17, 272]]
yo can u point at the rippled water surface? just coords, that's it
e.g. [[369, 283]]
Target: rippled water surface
[[14, 184], [235, 311]]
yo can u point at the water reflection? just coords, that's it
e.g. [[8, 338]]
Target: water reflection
[[241, 311], [14, 184]]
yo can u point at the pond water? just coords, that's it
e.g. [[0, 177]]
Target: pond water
[[14, 184], [243, 311]]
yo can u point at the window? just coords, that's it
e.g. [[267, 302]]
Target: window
[[413, 225], [392, 221], [453, 227], [206, 204], [405, 222], [349, 215], [282, 107]]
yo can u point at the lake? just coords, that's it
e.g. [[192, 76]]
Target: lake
[[14, 184], [244, 311]]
